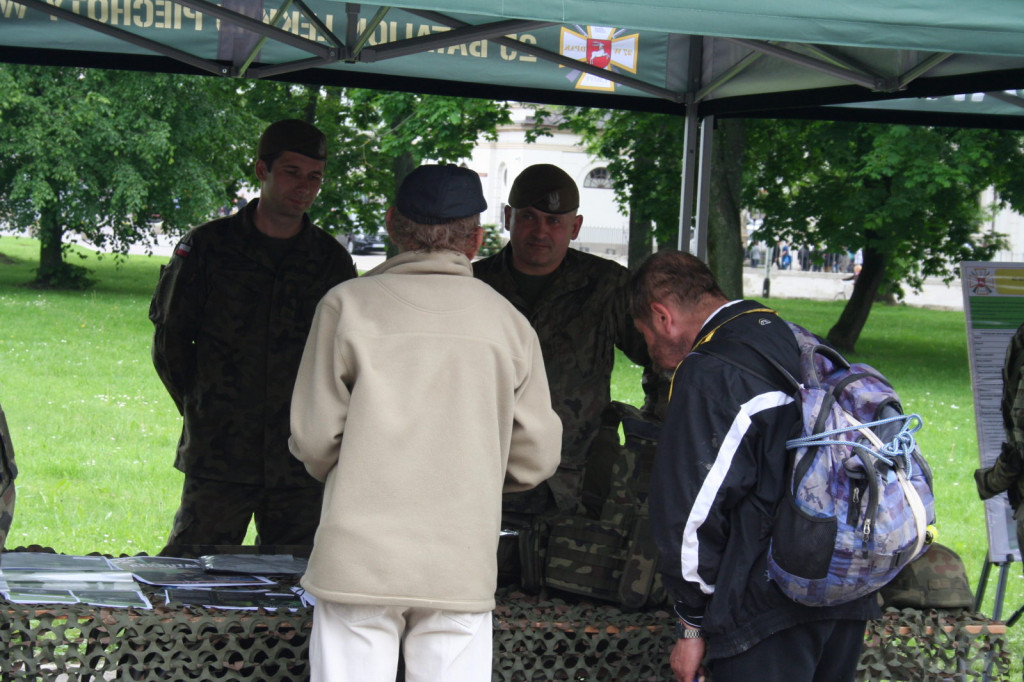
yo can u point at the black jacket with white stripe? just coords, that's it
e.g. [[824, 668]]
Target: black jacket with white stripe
[[719, 475]]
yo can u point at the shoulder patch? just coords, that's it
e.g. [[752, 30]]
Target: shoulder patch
[[182, 249]]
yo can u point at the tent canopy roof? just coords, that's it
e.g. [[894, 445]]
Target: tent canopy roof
[[901, 60]]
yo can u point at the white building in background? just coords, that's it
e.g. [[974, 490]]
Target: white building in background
[[1012, 225], [605, 229]]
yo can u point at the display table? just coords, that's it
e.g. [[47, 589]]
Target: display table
[[536, 639]]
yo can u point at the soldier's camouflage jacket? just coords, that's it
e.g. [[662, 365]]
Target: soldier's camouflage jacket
[[8, 472], [580, 318], [1007, 473], [230, 331]]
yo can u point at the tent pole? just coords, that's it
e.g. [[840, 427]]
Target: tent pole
[[686, 195], [700, 237], [693, 224]]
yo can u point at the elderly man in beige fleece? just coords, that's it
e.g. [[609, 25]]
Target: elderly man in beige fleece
[[420, 399]]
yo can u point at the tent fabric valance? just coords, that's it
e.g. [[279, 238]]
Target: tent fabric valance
[[721, 57]]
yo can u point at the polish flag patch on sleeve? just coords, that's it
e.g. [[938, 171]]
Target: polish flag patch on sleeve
[[182, 249]]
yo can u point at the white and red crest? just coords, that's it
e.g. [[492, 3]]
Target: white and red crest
[[603, 47]]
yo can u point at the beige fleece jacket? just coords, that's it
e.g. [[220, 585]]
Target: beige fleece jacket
[[421, 397]]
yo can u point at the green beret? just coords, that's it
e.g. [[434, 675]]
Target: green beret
[[292, 135], [546, 188]]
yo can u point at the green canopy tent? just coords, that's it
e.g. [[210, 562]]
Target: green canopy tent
[[932, 62], [867, 60]]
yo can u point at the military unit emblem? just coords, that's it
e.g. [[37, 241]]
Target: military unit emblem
[[601, 46]]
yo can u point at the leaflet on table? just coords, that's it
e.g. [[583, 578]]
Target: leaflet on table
[[48, 561], [181, 572], [307, 598], [99, 588], [254, 564], [232, 598]]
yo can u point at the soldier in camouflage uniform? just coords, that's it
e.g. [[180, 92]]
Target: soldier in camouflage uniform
[[577, 303], [1007, 473], [8, 472], [232, 311]]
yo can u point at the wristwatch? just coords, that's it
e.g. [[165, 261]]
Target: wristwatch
[[684, 631]]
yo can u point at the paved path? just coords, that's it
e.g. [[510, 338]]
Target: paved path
[[827, 286]]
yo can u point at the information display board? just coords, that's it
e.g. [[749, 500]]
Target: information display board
[[994, 309]]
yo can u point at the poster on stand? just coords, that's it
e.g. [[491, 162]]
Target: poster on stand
[[994, 309]]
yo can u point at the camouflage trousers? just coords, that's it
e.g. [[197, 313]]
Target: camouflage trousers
[[218, 513], [6, 513]]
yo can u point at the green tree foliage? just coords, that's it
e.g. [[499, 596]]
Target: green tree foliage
[[399, 131], [492, 242], [89, 154], [908, 196]]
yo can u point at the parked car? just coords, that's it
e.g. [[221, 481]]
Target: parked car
[[361, 243]]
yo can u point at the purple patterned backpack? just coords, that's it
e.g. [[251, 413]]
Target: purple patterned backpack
[[860, 498]]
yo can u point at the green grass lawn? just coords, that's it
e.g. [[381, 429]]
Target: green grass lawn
[[95, 432]]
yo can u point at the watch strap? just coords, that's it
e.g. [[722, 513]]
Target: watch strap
[[684, 631]]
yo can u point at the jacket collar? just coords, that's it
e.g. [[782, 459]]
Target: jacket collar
[[245, 222], [425, 262]]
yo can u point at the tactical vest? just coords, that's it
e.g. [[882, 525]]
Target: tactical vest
[[606, 551]]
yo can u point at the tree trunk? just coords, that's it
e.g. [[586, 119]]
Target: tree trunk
[[844, 334], [725, 245], [639, 247], [51, 252], [402, 165], [312, 99]]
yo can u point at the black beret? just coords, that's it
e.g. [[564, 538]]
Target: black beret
[[546, 188], [432, 195], [292, 135]]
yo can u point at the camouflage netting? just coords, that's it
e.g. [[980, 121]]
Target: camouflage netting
[[536, 638], [163, 644], [920, 646]]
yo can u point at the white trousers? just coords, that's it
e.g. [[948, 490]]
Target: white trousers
[[352, 643]]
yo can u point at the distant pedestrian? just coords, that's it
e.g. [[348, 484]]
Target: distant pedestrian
[[804, 258]]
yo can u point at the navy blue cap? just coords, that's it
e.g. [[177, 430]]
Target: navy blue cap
[[434, 194]]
